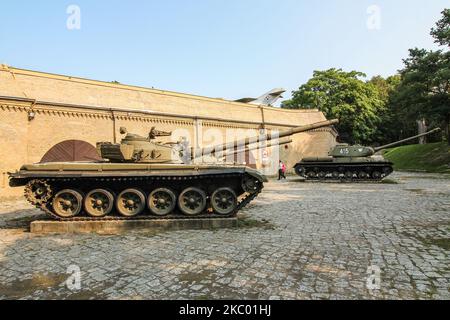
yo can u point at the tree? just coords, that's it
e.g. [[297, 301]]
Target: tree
[[392, 125], [343, 95], [441, 33], [424, 91], [386, 86]]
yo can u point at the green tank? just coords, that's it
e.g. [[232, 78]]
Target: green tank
[[141, 178], [350, 163]]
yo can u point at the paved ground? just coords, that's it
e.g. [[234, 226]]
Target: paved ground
[[298, 241]]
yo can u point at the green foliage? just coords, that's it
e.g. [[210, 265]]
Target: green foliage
[[432, 157], [424, 91], [392, 127], [441, 33], [385, 86], [343, 95]]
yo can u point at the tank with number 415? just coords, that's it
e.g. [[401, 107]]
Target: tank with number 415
[[141, 178], [350, 163]]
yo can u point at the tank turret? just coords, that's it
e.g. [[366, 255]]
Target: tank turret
[[136, 148], [351, 162]]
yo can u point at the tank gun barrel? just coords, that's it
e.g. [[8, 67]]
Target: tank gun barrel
[[245, 142], [257, 146], [405, 140]]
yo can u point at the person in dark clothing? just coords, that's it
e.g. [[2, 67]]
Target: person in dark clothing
[[281, 170]]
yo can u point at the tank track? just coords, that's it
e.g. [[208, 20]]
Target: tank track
[[370, 169], [242, 202]]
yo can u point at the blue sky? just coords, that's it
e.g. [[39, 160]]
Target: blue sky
[[216, 48]]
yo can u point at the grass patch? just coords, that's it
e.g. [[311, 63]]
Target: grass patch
[[39, 281], [432, 157], [419, 191], [21, 222], [194, 277], [389, 181], [443, 243], [245, 222]]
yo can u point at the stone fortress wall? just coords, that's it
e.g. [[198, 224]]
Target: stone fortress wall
[[64, 108]]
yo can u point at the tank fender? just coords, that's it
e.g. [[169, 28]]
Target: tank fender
[[317, 159], [257, 175], [15, 181]]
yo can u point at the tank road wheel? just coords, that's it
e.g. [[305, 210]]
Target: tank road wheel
[[376, 175], [98, 203], [67, 203], [224, 201], [321, 175], [192, 201], [335, 175], [130, 202], [161, 201], [311, 174], [348, 175], [37, 191], [362, 175]]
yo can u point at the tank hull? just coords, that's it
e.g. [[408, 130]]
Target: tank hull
[[107, 191], [350, 163], [350, 171]]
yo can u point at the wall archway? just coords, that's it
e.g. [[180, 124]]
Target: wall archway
[[71, 150]]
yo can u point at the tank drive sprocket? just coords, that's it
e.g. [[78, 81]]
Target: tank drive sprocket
[[37, 192]]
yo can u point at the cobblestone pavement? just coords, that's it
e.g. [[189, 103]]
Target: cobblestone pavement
[[297, 241]]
